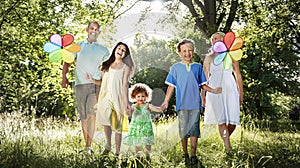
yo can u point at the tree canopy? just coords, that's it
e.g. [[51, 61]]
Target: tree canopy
[[270, 65], [29, 82]]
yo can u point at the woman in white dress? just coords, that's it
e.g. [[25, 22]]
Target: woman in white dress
[[222, 109], [113, 101]]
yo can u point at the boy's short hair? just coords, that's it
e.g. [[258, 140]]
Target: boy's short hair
[[185, 41]]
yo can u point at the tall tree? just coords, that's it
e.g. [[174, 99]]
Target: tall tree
[[212, 15], [209, 16]]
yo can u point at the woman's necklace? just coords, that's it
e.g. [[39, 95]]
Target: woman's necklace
[[117, 62]]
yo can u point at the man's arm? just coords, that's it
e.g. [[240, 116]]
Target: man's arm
[[65, 70]]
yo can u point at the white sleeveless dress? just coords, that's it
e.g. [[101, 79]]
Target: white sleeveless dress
[[111, 106], [225, 107]]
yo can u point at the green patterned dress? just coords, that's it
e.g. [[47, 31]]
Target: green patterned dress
[[140, 129]]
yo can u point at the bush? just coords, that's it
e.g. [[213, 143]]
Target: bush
[[295, 113]]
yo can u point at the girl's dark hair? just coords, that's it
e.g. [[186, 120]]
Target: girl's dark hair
[[106, 64]]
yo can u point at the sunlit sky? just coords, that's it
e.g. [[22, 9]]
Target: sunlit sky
[[128, 25], [155, 6]]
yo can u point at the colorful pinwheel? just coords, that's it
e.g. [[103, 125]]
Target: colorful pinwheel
[[61, 48], [228, 49]]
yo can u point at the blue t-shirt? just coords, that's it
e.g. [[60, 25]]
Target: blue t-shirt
[[88, 60], [187, 79]]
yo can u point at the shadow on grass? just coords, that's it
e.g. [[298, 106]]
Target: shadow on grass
[[277, 152], [274, 125]]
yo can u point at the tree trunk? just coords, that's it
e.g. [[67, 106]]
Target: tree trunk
[[206, 19]]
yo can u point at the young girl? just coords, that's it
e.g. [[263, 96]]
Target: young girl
[[140, 129], [223, 109], [113, 98]]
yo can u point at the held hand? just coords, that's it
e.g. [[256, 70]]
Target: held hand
[[217, 90], [128, 110], [241, 99], [65, 83], [164, 105], [204, 102], [89, 77]]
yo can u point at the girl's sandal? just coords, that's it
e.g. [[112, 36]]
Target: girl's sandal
[[105, 152], [107, 149]]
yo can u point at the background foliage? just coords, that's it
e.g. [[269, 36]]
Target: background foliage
[[29, 82], [271, 64]]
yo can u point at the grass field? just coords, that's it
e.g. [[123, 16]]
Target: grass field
[[54, 142]]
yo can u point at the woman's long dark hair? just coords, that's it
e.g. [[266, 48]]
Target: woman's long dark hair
[[127, 59]]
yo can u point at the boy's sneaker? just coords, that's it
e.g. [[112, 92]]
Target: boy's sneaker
[[186, 159], [147, 160], [105, 152], [87, 150], [148, 157], [194, 160]]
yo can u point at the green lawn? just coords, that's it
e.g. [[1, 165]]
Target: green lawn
[[48, 142]]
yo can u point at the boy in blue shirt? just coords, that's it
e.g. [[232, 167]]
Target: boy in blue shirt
[[186, 77]]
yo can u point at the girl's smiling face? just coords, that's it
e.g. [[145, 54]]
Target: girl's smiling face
[[120, 52], [141, 98]]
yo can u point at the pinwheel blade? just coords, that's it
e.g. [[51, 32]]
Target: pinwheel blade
[[219, 47], [237, 44], [56, 39], [67, 39], [236, 55], [219, 58], [73, 48], [50, 47], [229, 39], [67, 56], [55, 56], [227, 62]]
